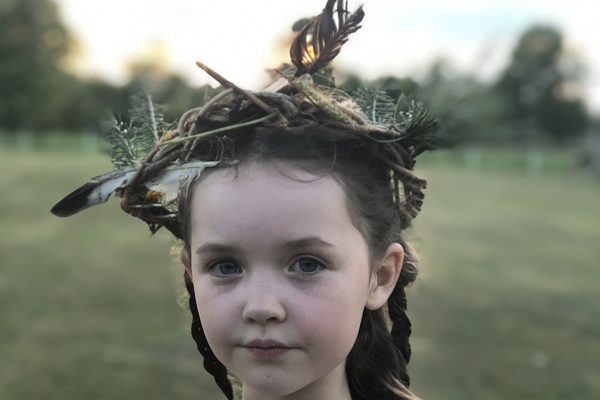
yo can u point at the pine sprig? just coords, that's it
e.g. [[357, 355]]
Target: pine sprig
[[132, 136], [377, 106], [146, 119], [416, 128], [123, 151], [419, 129]]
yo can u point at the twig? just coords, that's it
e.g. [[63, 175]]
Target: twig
[[216, 76], [223, 129], [201, 110], [151, 107]]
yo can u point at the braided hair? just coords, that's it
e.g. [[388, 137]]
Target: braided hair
[[211, 364]]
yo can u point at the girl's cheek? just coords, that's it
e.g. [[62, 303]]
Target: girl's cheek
[[213, 305], [217, 318]]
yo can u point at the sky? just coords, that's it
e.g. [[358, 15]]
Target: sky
[[242, 39]]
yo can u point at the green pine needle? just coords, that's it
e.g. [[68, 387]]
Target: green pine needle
[[134, 135], [377, 106]]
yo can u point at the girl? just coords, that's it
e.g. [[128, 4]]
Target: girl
[[291, 204]]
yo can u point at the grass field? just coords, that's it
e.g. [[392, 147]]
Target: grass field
[[507, 305]]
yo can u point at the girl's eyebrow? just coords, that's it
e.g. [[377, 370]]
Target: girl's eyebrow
[[311, 241], [210, 247], [297, 244]]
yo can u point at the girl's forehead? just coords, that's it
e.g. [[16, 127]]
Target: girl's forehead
[[258, 172], [266, 206], [285, 188], [231, 187]]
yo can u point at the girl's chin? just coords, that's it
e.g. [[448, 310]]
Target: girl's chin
[[265, 384]]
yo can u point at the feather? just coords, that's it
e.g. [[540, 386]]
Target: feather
[[99, 189], [168, 181], [321, 40], [95, 192]]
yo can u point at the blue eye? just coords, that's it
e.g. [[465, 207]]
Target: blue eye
[[307, 265], [225, 267]]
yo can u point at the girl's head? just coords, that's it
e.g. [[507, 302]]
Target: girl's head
[[291, 253]]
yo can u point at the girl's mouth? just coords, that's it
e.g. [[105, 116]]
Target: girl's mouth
[[266, 349]]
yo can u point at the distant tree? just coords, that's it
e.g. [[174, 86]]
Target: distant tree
[[541, 86], [395, 86], [351, 83], [33, 43], [468, 110], [166, 88], [179, 96]]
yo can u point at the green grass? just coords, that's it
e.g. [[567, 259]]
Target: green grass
[[54, 142], [506, 307], [88, 304], [506, 159]]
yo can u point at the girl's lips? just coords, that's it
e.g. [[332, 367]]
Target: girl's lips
[[267, 349], [265, 344]]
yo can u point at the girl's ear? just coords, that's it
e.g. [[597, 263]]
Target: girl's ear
[[184, 257], [386, 276]]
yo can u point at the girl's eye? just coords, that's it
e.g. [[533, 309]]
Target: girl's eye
[[307, 265], [225, 267]]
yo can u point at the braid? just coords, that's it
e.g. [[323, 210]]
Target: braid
[[397, 306], [211, 364], [401, 329], [377, 364]]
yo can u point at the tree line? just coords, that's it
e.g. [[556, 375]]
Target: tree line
[[537, 98]]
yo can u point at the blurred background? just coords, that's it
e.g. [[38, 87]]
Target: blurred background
[[507, 304]]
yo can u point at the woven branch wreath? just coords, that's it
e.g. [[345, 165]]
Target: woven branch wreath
[[154, 160]]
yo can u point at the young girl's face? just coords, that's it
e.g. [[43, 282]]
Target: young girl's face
[[281, 276]]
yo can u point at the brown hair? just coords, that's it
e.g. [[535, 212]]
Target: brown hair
[[376, 365]]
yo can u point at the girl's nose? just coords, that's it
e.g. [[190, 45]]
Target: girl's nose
[[262, 303]]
